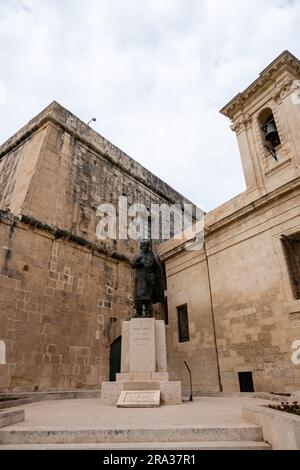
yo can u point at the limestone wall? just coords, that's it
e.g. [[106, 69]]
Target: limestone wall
[[256, 316], [61, 308], [255, 312], [73, 180], [63, 292], [187, 283], [58, 170], [18, 169]]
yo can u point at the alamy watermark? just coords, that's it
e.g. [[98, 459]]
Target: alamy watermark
[[156, 222], [296, 353]]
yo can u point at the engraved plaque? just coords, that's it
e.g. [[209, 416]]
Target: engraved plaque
[[142, 345], [139, 399]]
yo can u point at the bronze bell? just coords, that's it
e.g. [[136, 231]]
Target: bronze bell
[[272, 135]]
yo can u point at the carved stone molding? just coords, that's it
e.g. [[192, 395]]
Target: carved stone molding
[[241, 124], [280, 93], [286, 61]]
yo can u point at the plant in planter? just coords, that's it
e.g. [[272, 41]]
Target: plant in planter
[[287, 407]]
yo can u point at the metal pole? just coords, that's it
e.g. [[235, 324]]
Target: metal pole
[[213, 319], [191, 387]]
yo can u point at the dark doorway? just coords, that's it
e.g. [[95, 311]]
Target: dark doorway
[[183, 323], [246, 382], [115, 359]]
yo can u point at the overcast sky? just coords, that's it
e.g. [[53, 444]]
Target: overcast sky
[[155, 74]]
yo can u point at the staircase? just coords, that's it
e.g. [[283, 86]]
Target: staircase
[[248, 437]]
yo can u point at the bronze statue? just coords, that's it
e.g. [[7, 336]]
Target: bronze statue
[[148, 287]]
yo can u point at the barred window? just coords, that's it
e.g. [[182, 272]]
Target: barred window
[[291, 245]]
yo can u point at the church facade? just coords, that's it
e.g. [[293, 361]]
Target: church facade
[[240, 293], [233, 307]]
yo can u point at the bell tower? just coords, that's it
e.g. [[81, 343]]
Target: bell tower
[[266, 120]]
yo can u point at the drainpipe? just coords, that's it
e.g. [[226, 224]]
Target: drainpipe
[[213, 318]]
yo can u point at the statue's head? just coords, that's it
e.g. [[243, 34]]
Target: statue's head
[[145, 246]]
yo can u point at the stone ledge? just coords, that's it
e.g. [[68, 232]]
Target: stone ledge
[[205, 445], [7, 418], [113, 435], [280, 429], [13, 399]]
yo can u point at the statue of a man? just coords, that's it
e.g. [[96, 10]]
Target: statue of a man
[[148, 288]]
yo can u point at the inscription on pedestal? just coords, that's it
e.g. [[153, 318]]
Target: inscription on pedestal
[[142, 345], [144, 381], [139, 399]]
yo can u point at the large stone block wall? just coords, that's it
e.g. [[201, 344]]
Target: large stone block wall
[[257, 318], [61, 307], [63, 292], [18, 168], [70, 170], [73, 181], [187, 283]]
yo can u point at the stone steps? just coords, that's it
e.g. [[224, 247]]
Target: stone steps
[[8, 418], [166, 435], [212, 445]]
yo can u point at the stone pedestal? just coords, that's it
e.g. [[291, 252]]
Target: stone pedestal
[[143, 368]]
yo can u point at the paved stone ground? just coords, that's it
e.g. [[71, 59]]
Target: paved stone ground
[[90, 413]]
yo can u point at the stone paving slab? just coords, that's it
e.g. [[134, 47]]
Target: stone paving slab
[[208, 422], [91, 413]]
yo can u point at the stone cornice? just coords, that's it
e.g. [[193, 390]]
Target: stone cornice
[[287, 61], [59, 234], [167, 252], [250, 208], [64, 119], [241, 123]]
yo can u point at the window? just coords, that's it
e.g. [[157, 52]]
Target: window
[[291, 245], [183, 323], [166, 312]]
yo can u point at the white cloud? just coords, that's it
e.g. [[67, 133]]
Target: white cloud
[[3, 92], [154, 73]]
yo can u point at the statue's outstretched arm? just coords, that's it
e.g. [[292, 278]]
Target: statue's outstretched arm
[[137, 261]]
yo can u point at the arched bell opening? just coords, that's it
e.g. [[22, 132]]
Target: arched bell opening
[[269, 131]]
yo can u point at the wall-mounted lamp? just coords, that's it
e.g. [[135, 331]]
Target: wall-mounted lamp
[[93, 119]]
